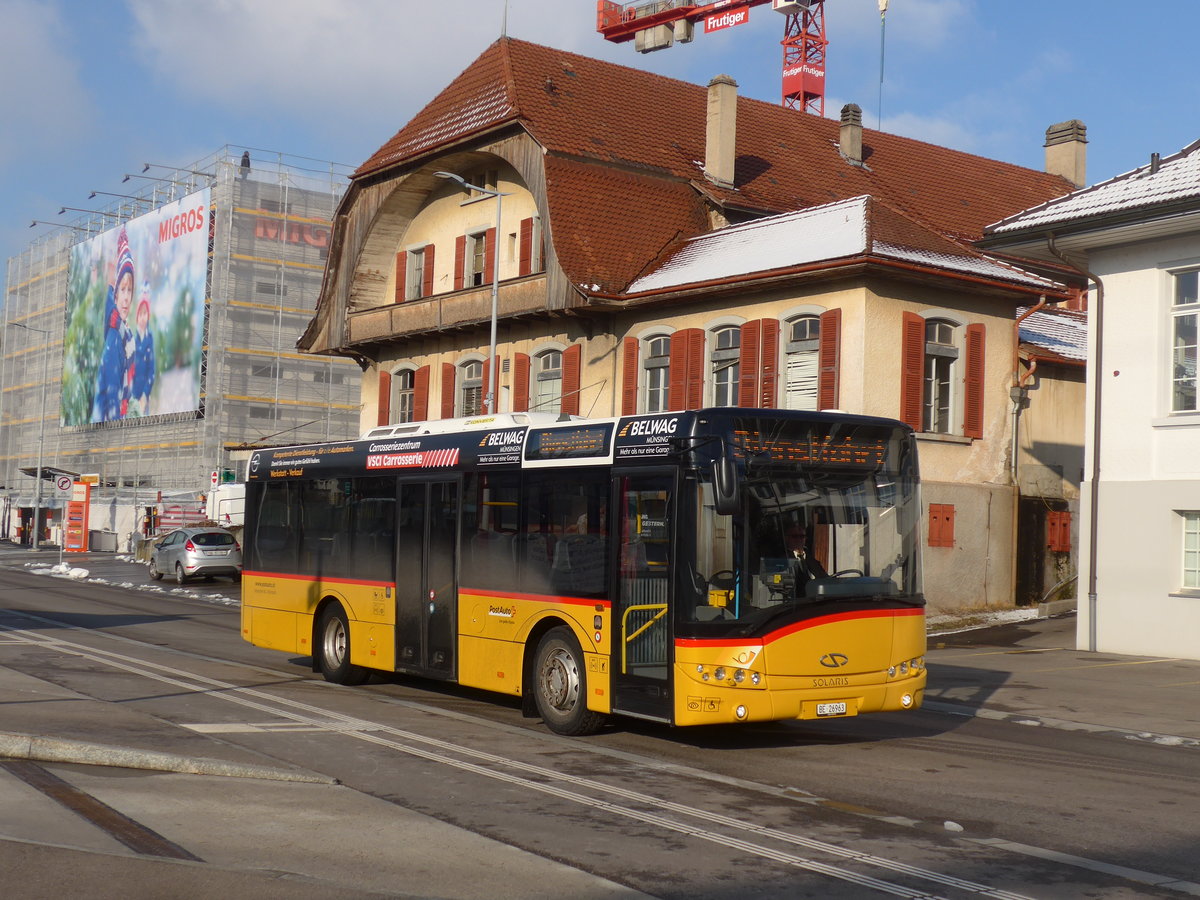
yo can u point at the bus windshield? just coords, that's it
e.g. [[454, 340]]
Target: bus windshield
[[826, 520]]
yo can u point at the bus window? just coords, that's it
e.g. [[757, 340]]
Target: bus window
[[273, 548], [563, 548], [490, 518], [372, 528]]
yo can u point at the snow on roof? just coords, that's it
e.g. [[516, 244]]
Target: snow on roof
[[1061, 331], [833, 231], [1174, 178], [792, 239]]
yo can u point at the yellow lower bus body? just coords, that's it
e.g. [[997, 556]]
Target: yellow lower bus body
[[830, 667]]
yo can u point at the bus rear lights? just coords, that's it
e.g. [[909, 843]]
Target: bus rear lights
[[740, 712], [906, 700]]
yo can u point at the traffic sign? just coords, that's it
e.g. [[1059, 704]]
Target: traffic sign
[[63, 483]]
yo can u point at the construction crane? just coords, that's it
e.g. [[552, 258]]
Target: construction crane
[[658, 24]]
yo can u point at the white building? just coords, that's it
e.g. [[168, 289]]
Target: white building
[[1138, 237]]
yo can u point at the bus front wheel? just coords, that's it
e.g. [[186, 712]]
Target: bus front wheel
[[333, 645], [560, 685]]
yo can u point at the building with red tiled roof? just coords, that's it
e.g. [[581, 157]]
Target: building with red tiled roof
[[662, 245]]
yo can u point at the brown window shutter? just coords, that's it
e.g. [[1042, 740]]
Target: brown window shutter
[[448, 373], [973, 393], [829, 353], [1058, 531], [629, 376], [401, 275], [385, 398], [421, 394], [525, 251], [488, 368], [768, 383], [520, 397], [941, 525], [489, 255], [695, 374], [912, 370], [572, 362], [427, 272], [685, 388], [460, 261], [749, 359]]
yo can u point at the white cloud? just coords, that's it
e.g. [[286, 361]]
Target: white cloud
[[43, 103], [341, 59]]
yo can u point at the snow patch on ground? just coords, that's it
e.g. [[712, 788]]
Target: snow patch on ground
[[969, 619]]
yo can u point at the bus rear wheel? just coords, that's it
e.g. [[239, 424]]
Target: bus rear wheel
[[560, 685], [333, 648]]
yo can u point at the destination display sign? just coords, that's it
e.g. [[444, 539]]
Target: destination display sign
[[815, 449], [646, 436], [580, 442]]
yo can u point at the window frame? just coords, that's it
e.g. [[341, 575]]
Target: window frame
[[1177, 312], [724, 364], [414, 273], [805, 350], [404, 396], [1189, 576], [942, 399], [475, 251], [547, 401], [654, 396], [465, 382]]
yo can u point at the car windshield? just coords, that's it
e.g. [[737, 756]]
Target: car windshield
[[810, 534], [213, 539]]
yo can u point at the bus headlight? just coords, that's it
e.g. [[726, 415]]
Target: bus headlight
[[755, 678], [891, 671], [906, 700], [904, 668], [739, 676], [740, 712], [720, 673]]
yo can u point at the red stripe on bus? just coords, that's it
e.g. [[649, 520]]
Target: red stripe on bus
[[801, 626], [324, 579], [541, 598]]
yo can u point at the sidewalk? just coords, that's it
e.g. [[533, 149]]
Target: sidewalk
[[1029, 672]]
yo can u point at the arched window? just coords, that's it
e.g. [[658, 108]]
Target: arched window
[[941, 375], [548, 382], [404, 399], [803, 350], [656, 363], [723, 358], [470, 388]]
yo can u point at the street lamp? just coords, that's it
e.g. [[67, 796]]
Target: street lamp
[[37, 495], [489, 401]]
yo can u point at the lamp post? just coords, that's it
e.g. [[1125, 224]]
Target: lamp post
[[489, 400], [37, 495]]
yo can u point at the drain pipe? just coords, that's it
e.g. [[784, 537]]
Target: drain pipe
[[1017, 394], [1096, 314]]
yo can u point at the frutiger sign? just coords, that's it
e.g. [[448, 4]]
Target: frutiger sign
[[726, 20]]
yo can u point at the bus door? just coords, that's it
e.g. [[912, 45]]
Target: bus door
[[640, 668], [426, 593]]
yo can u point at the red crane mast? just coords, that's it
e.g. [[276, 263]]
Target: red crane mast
[[658, 24]]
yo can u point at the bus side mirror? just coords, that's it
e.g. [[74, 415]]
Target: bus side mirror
[[727, 496]]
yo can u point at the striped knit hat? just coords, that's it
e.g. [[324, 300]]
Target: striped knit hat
[[124, 258]]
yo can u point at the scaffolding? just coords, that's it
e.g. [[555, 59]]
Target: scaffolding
[[268, 246]]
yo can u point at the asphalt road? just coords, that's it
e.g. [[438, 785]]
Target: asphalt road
[[914, 805]]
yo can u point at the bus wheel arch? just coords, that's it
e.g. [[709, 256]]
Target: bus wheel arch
[[331, 645], [558, 683]]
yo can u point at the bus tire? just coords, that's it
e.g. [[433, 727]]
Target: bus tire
[[560, 685], [333, 648]]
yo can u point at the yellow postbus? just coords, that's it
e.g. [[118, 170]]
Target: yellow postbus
[[692, 568]]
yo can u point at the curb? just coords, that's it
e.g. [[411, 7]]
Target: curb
[[42, 749]]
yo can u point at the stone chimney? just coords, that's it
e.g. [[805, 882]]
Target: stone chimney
[[720, 136], [1066, 151], [850, 140]]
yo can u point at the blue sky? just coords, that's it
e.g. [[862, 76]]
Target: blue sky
[[92, 89]]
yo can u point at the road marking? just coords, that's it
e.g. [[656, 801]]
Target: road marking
[[308, 717], [393, 738]]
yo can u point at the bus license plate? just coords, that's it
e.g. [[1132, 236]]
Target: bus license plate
[[832, 709]]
